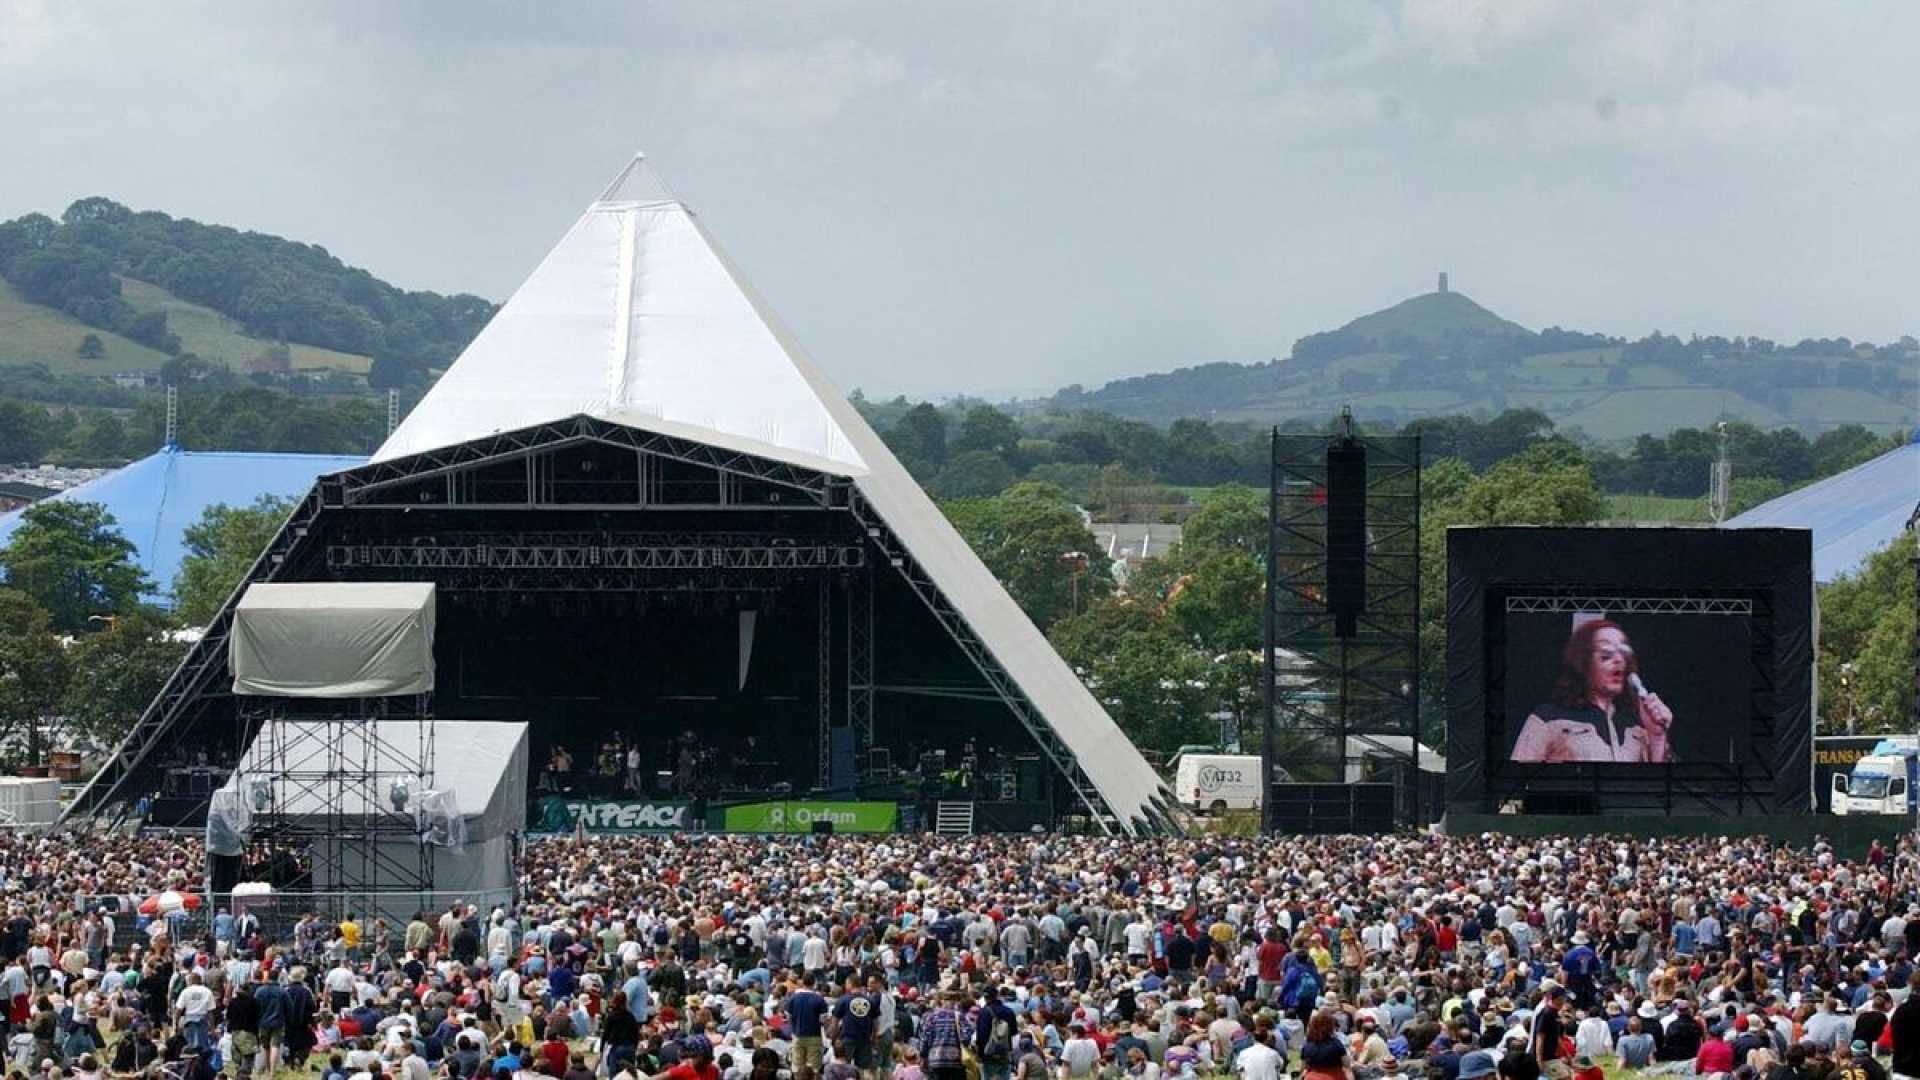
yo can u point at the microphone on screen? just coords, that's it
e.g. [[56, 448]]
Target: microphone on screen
[[1639, 688]]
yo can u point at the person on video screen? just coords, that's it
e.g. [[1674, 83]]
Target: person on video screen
[[1595, 714]]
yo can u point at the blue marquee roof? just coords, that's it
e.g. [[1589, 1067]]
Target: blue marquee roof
[[157, 498], [1852, 514]]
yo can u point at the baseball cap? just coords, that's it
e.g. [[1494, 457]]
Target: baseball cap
[[1476, 1064]]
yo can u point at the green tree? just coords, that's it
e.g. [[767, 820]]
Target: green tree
[[1034, 541], [33, 671], [919, 439], [1866, 621], [115, 673], [987, 428], [1216, 601], [1157, 686], [70, 559], [221, 547], [973, 474], [23, 432], [91, 347], [1229, 518]]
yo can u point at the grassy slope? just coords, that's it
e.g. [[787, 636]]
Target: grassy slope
[[212, 336], [1430, 317], [33, 334]]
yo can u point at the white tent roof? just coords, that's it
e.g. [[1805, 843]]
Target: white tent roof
[[637, 318]]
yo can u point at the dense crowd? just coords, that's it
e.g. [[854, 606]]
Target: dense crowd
[[1036, 958]]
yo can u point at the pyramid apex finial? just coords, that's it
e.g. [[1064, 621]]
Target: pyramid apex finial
[[637, 183]]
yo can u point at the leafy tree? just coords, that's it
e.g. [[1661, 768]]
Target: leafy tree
[[221, 547], [1216, 601], [115, 673], [1034, 541], [1866, 620], [919, 439], [91, 347], [1156, 685], [1229, 518], [23, 432], [33, 669], [986, 428], [973, 474], [70, 559]]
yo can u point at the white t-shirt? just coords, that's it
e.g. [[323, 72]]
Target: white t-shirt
[[1258, 1062]]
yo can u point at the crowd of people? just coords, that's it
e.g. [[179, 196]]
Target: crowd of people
[[910, 957]]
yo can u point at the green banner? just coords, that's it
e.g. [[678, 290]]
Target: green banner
[[799, 817], [611, 816]]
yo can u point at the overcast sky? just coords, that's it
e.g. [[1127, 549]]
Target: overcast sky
[[1006, 197]]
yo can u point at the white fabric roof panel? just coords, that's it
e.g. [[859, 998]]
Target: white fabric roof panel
[[633, 314], [702, 358], [333, 639]]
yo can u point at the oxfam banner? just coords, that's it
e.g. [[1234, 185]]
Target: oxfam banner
[[799, 817], [558, 815]]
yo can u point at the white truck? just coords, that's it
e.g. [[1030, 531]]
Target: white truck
[[1885, 781], [1212, 783]]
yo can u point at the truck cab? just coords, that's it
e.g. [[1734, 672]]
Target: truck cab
[[1882, 782]]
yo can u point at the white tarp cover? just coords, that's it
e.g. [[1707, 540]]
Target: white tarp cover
[[637, 318], [333, 640]]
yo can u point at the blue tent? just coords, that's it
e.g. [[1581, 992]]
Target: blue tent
[[157, 498], [1852, 514]]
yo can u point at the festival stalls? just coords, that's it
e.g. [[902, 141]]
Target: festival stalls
[[345, 762]]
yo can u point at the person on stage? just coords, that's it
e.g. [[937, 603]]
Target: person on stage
[[1596, 714]]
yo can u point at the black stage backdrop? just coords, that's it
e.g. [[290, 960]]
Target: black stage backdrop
[[1698, 665], [1768, 571]]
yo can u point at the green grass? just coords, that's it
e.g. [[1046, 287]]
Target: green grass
[[33, 334], [1830, 406], [1628, 412], [212, 336], [1656, 508]]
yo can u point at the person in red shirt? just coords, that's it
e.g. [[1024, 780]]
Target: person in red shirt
[[696, 1062], [1272, 959], [553, 1056]]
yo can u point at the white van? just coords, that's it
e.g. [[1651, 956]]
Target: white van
[[1216, 782]]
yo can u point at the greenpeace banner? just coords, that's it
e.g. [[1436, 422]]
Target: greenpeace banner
[[799, 817], [558, 815]]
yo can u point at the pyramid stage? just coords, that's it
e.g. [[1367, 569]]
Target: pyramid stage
[[652, 522]]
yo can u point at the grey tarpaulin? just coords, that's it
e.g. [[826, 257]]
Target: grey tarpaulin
[[333, 640]]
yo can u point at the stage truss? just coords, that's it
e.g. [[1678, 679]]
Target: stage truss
[[525, 470], [1343, 709]]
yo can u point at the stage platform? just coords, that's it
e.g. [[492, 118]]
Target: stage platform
[[1850, 836]]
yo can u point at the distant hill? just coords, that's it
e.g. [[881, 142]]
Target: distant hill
[[1441, 353], [1432, 318], [141, 280]]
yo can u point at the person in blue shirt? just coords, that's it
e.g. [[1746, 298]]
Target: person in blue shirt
[[636, 989], [805, 1009], [1581, 966]]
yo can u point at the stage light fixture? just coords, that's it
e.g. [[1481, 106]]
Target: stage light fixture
[[398, 795]]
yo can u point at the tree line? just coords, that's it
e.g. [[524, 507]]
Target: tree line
[[971, 449]]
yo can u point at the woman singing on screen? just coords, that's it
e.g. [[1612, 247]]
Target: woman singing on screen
[[1594, 708]]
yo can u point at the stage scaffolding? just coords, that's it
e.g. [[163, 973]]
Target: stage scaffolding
[[340, 786], [1343, 710]]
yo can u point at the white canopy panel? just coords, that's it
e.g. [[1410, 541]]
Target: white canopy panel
[[639, 319], [631, 315], [333, 639]]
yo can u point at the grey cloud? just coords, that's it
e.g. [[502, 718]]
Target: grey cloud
[[1006, 196]]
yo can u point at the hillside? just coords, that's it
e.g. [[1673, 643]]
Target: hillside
[[1441, 353], [174, 286]]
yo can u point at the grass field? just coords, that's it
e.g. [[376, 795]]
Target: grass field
[[1653, 508], [212, 336], [32, 334]]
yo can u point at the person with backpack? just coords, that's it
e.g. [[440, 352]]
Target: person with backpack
[[993, 1035]]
